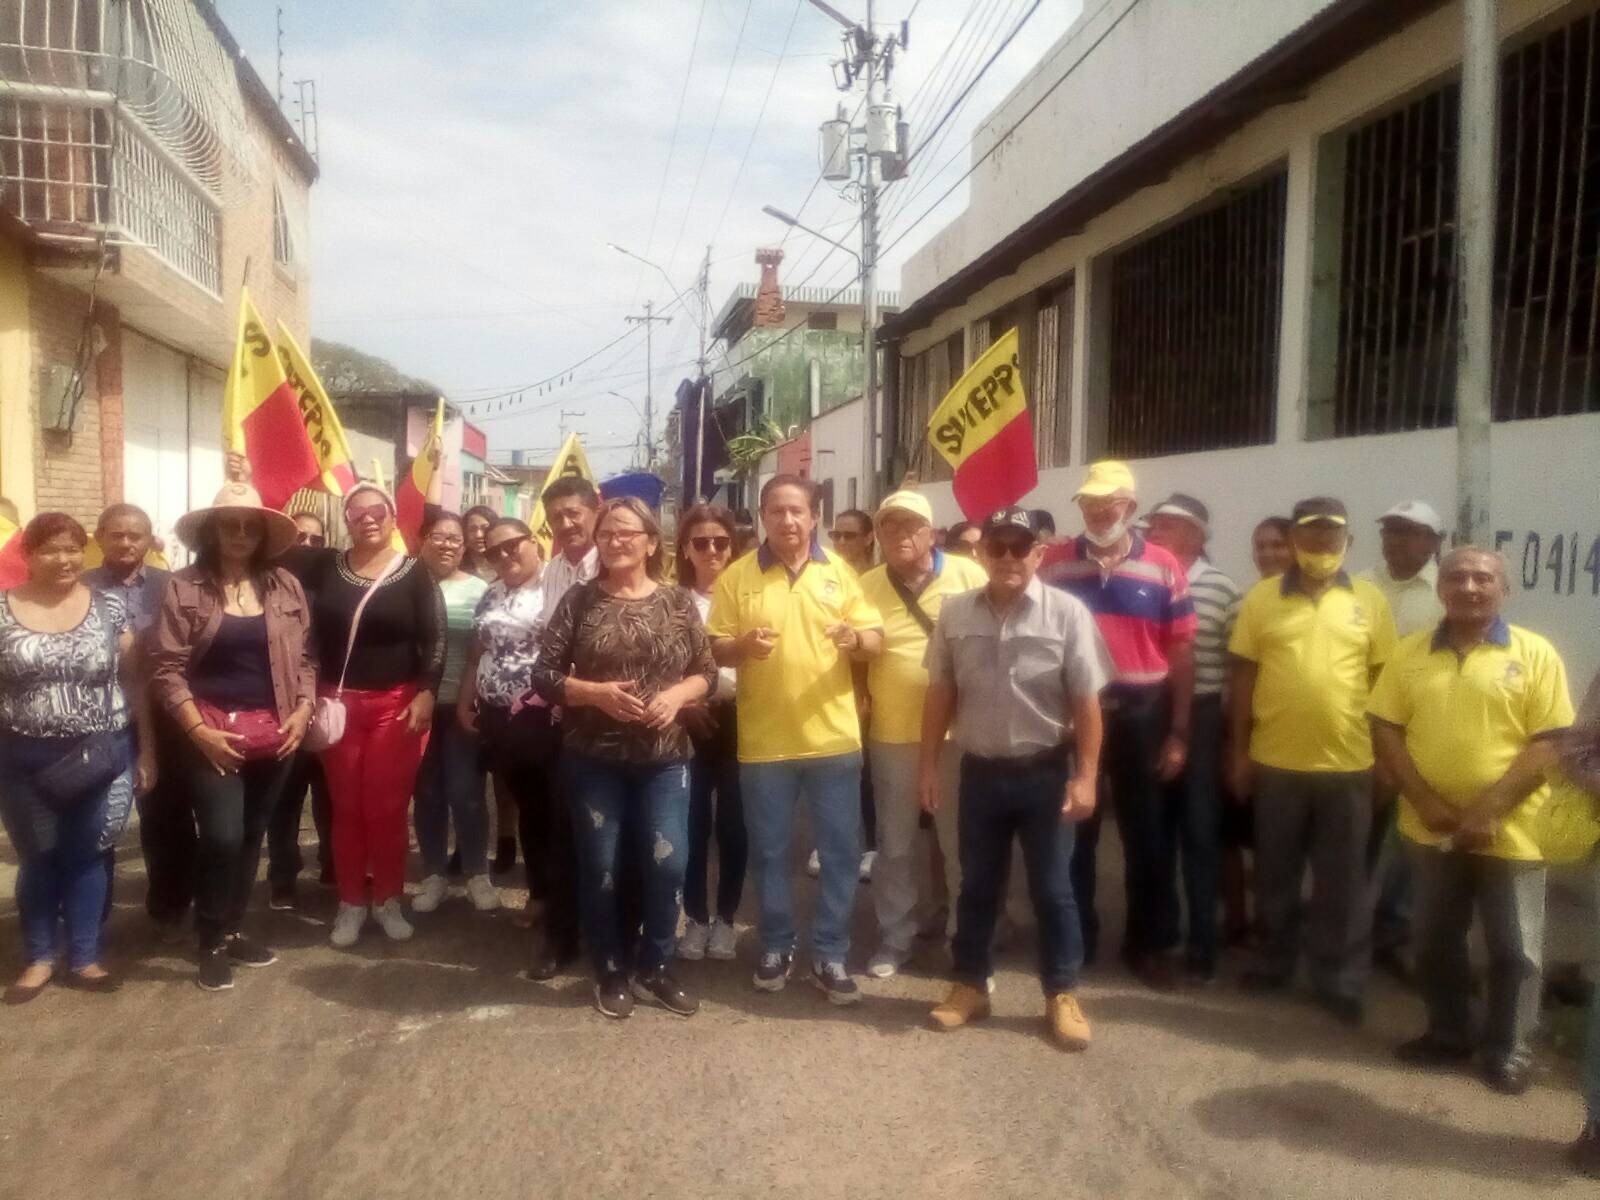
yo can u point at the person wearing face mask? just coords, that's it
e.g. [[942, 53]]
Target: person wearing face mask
[[1306, 650], [1139, 595]]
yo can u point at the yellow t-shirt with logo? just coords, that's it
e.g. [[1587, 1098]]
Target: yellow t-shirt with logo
[[1314, 661], [897, 681], [1467, 718], [799, 702]]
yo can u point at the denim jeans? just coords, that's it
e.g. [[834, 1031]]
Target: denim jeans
[[602, 794], [61, 874], [831, 787], [999, 801], [450, 788], [231, 812], [284, 860], [714, 769], [1196, 799]]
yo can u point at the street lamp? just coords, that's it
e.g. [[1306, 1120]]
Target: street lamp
[[794, 222], [676, 294]]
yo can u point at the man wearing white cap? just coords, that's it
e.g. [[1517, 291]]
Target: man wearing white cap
[[908, 589]]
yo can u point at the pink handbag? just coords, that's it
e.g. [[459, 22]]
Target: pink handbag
[[328, 717]]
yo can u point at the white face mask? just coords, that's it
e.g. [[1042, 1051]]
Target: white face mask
[[1109, 537]]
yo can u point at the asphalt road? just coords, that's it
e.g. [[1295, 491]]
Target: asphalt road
[[427, 1069]]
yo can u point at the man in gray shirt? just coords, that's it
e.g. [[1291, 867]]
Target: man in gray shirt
[[1019, 668]]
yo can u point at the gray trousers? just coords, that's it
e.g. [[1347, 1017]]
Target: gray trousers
[[1320, 818], [1509, 897], [901, 876]]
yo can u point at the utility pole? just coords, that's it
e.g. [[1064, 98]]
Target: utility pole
[[649, 322], [561, 424], [1480, 119], [703, 385], [869, 289]]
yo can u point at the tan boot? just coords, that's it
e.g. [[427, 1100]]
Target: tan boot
[[962, 1006], [1068, 1026]]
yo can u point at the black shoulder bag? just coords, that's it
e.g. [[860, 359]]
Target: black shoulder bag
[[912, 603], [96, 759]]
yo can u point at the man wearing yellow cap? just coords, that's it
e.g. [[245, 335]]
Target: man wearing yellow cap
[[908, 589], [1139, 595]]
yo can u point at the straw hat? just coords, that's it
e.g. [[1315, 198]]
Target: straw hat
[[280, 528]]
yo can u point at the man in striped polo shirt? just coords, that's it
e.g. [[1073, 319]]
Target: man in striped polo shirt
[[1139, 595], [1181, 525]]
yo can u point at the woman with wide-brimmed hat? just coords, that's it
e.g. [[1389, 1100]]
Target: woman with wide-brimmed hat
[[231, 664]]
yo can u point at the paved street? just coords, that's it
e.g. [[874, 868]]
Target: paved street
[[427, 1069]]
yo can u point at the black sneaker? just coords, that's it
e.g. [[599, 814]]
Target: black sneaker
[[835, 982], [1510, 1076], [772, 972], [246, 953], [611, 995], [215, 973], [282, 898], [660, 986], [1431, 1050]]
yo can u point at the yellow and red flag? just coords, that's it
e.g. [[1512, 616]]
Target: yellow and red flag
[[261, 414], [571, 461], [328, 441], [982, 429], [423, 485], [13, 566]]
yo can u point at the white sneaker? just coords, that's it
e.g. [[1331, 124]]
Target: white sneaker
[[867, 859], [392, 921], [886, 963], [484, 895], [814, 865], [724, 942], [692, 945], [347, 924], [431, 896]]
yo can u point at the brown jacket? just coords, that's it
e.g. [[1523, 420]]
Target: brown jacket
[[191, 614]]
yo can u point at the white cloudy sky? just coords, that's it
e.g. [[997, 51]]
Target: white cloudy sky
[[477, 156]]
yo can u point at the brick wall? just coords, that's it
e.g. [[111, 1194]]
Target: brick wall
[[68, 474]]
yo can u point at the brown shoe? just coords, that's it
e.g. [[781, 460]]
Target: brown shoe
[[964, 1005], [1068, 1026]]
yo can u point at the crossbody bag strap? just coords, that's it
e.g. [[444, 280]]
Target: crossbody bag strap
[[355, 617], [912, 603], [97, 602]]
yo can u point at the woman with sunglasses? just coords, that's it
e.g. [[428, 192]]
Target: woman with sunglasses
[[706, 536], [450, 783], [388, 676], [623, 654], [475, 524], [231, 665]]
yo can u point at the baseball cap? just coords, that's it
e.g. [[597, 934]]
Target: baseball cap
[[1106, 478], [1181, 505], [1011, 517], [906, 501], [1320, 509], [1418, 512]]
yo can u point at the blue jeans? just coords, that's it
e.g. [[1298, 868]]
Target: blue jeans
[[61, 874], [1196, 795], [653, 798], [1000, 800], [450, 787], [832, 790]]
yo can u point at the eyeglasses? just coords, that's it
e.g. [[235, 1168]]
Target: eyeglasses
[[1012, 547], [619, 535], [445, 541], [366, 512], [310, 539], [839, 535], [718, 544], [505, 549]]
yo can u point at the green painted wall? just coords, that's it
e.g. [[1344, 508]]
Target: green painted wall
[[784, 367]]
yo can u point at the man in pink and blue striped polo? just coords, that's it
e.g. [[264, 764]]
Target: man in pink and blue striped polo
[[1139, 595]]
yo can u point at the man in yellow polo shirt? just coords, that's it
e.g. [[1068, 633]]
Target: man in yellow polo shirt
[[1306, 650], [791, 618], [1464, 717], [908, 588]]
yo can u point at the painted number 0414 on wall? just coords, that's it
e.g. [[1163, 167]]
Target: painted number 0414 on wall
[[1567, 564]]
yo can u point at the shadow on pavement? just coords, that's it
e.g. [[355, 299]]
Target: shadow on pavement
[[1318, 1116], [1280, 1028]]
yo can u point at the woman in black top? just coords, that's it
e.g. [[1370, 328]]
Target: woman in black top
[[622, 655], [231, 665]]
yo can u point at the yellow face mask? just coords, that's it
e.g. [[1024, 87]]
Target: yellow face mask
[[1320, 566]]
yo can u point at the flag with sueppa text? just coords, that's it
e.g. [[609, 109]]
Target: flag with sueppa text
[[982, 429], [261, 414]]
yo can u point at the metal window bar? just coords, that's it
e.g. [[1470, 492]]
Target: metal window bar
[[1194, 329], [1395, 364]]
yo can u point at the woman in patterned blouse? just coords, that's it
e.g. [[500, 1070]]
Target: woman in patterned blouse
[[623, 654]]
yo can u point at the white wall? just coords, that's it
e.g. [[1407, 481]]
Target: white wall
[[836, 453]]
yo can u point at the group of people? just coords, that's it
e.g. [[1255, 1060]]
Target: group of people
[[958, 697]]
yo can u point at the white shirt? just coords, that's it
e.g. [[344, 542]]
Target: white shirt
[[1415, 602], [560, 573]]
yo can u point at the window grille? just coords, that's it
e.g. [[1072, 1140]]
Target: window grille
[[1193, 361], [925, 380]]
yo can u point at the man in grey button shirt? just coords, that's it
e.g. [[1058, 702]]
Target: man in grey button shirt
[[1019, 667]]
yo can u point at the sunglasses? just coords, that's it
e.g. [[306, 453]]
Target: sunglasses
[[1008, 547], [366, 512], [310, 539], [718, 544], [506, 549], [845, 535], [240, 526]]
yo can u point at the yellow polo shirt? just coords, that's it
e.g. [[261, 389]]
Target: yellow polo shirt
[[799, 702], [1467, 718], [897, 681], [1313, 660]]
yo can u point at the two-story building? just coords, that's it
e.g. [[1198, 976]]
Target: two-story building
[[146, 175]]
